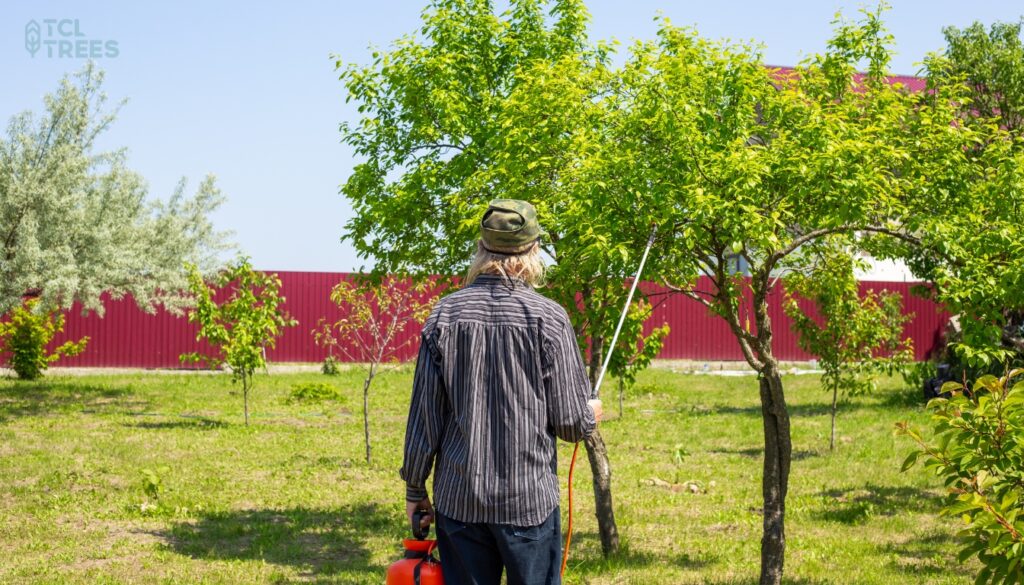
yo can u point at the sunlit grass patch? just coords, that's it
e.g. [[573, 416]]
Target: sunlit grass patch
[[154, 478]]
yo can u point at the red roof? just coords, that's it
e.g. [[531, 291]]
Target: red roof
[[909, 81]]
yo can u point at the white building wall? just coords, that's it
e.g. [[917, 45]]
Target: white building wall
[[886, 271]]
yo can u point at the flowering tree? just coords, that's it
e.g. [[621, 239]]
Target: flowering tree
[[369, 332]]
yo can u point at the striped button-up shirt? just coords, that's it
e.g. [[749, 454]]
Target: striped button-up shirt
[[499, 376]]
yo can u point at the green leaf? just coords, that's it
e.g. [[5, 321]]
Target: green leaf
[[910, 460]]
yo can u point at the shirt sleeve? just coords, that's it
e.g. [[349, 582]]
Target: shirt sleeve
[[566, 384], [427, 416]]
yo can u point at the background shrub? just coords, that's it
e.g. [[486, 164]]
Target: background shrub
[[26, 336], [330, 366], [314, 392]]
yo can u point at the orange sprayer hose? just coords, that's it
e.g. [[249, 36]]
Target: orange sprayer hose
[[568, 532]]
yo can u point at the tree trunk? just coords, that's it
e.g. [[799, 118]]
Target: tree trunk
[[245, 397], [832, 438], [600, 467], [778, 451], [598, 456], [366, 414]]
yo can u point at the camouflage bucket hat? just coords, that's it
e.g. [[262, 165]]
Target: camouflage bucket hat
[[509, 226]]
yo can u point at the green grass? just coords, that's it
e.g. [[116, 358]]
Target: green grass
[[291, 499]]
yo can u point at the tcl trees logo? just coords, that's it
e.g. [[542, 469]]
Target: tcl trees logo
[[63, 39]]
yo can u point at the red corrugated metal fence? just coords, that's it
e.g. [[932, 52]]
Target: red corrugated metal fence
[[129, 337], [695, 334]]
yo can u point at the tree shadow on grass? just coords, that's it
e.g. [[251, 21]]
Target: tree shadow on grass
[[318, 542], [795, 410], [855, 505], [933, 554], [885, 401], [595, 565], [186, 422], [758, 452], [625, 558], [43, 397]]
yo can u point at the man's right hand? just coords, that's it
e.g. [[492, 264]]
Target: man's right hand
[[595, 405], [424, 504]]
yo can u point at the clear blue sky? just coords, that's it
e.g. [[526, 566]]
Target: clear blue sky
[[246, 90]]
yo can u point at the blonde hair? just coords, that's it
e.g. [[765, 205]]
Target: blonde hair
[[526, 266]]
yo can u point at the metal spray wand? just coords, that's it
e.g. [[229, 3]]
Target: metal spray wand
[[625, 311]]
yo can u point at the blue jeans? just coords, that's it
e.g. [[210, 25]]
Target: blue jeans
[[476, 553]]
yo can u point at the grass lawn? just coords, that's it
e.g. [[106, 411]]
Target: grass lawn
[[290, 498]]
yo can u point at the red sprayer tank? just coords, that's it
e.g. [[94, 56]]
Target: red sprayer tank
[[419, 567]]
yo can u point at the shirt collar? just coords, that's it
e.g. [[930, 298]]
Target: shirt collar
[[495, 280]]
